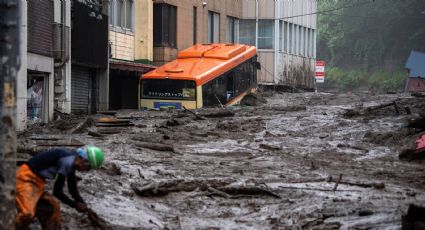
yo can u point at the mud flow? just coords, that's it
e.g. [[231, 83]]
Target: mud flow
[[299, 161]]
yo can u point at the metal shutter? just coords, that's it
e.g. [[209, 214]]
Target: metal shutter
[[80, 85]]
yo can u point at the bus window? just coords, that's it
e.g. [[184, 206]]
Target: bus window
[[230, 85], [214, 92], [168, 89]]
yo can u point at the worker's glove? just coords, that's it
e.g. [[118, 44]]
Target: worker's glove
[[81, 207]]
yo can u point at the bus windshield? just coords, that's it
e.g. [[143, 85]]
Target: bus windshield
[[168, 89]]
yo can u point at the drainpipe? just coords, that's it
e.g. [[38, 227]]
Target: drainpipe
[[276, 38], [63, 32], [256, 22]]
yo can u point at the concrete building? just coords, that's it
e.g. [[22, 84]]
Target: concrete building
[[284, 32], [61, 70], [89, 56], [131, 50], [179, 24], [35, 81]]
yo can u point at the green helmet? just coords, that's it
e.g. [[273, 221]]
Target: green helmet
[[95, 157]]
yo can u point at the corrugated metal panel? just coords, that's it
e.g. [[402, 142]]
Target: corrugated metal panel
[[416, 64], [40, 27], [80, 90]]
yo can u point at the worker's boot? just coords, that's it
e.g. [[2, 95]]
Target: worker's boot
[[48, 212]]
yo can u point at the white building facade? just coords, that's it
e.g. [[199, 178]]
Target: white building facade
[[284, 32]]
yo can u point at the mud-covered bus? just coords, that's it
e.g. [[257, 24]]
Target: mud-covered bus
[[204, 75]]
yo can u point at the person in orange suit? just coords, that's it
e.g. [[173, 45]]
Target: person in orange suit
[[31, 198]]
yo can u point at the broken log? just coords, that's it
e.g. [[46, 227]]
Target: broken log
[[163, 188], [216, 114], [248, 190], [94, 134], [360, 184], [287, 108], [214, 186], [38, 138], [369, 109], [81, 125], [269, 147], [317, 189], [155, 146], [418, 94], [337, 182], [196, 115], [114, 124]]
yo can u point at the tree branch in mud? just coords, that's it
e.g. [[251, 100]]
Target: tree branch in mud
[[360, 184], [337, 183], [163, 188], [155, 146], [364, 111], [217, 113], [196, 115], [222, 188]]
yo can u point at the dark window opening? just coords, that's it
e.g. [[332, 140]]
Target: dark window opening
[[123, 89], [165, 24]]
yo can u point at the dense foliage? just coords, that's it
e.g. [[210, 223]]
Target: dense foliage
[[368, 41]]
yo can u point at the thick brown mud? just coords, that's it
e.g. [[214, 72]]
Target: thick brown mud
[[300, 161]]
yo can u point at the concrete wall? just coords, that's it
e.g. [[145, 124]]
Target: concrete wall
[[143, 31], [32, 62], [21, 83], [122, 45]]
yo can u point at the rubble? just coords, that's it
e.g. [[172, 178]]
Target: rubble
[[295, 162]]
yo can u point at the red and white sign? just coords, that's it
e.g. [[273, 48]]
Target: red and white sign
[[320, 72]]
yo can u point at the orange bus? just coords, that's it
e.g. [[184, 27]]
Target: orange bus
[[204, 75]]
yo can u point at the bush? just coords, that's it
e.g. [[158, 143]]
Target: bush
[[354, 79]]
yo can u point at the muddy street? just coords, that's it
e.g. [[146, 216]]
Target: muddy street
[[304, 160]]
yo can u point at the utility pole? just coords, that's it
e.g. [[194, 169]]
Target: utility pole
[[9, 66]]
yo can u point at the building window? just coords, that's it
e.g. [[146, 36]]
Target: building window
[[290, 38], [195, 26], [285, 37], [297, 40], [313, 42], [213, 27], [308, 42], [129, 14], [281, 34], [265, 34], [121, 14], [232, 29], [165, 24], [301, 38], [112, 7], [247, 32]]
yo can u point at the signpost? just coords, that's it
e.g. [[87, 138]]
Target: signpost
[[320, 72]]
